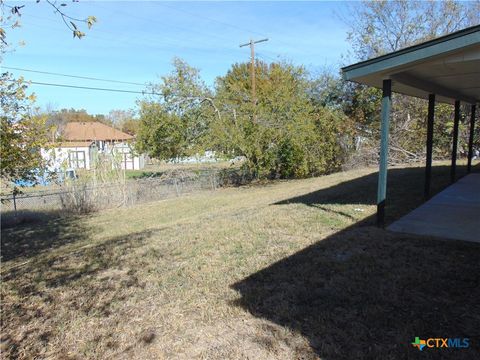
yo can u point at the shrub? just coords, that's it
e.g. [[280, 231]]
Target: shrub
[[78, 198]]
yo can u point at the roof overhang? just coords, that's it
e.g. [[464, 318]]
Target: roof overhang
[[72, 144], [448, 66]]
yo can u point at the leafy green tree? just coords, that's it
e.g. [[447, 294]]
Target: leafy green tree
[[22, 133], [327, 89], [161, 134], [285, 135], [184, 105], [358, 102]]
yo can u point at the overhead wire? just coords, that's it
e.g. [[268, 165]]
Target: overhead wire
[[261, 55], [225, 39], [73, 76], [172, 41], [266, 57], [227, 24], [212, 19], [143, 42], [94, 88], [208, 34]]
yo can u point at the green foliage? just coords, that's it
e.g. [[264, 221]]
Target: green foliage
[[327, 89], [287, 134], [180, 115], [284, 134], [161, 134], [291, 159], [22, 134]]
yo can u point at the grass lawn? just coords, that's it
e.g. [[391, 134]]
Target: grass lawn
[[287, 270]]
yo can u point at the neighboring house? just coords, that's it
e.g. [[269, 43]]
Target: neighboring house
[[82, 142]]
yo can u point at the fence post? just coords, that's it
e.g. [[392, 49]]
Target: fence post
[[176, 185], [15, 201], [215, 180], [14, 196]]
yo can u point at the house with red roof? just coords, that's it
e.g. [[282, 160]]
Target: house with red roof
[[80, 144]]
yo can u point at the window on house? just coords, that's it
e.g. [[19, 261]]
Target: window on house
[[76, 159]]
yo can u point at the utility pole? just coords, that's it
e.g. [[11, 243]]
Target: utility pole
[[252, 43]]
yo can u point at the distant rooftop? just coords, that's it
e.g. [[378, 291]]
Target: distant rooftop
[[90, 131]]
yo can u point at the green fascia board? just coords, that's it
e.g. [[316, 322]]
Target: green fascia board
[[417, 53]]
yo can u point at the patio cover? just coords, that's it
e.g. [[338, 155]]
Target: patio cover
[[448, 66], [445, 69]]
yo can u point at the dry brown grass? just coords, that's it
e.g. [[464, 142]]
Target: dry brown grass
[[286, 270]]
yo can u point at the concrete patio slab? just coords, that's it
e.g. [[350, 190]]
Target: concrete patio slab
[[454, 213]]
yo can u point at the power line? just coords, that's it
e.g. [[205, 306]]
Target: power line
[[150, 20], [211, 19], [172, 42], [266, 57], [146, 42], [94, 88], [107, 89], [193, 15], [73, 76], [226, 24], [149, 43]]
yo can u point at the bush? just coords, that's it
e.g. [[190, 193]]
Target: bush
[[291, 160], [78, 198]]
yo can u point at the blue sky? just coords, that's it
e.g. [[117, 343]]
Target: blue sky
[[136, 41]]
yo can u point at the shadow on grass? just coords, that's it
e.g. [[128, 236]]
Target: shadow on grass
[[404, 190], [365, 293], [89, 280], [30, 233]]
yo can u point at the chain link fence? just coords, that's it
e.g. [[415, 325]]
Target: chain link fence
[[85, 197]]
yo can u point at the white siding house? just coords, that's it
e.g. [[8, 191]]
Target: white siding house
[[82, 142], [128, 160], [73, 155]]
